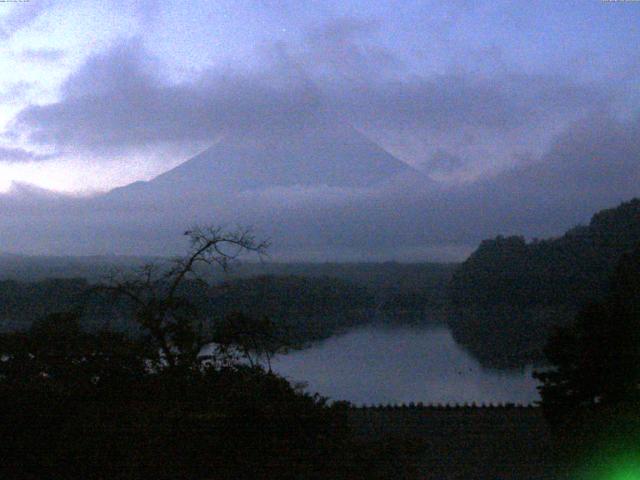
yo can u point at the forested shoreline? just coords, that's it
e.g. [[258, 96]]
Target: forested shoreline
[[510, 294], [310, 305]]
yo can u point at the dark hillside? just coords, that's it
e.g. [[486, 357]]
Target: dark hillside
[[509, 293], [569, 269]]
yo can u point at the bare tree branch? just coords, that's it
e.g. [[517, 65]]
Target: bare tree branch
[[170, 319]]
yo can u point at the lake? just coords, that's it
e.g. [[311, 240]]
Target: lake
[[374, 365]]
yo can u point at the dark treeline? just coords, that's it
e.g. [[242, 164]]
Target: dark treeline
[[27, 268], [591, 388], [395, 285], [21, 303], [308, 308], [313, 301], [89, 365], [509, 293]]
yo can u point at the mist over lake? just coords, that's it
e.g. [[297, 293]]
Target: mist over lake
[[376, 364]]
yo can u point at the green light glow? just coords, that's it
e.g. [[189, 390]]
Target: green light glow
[[627, 472], [619, 469]]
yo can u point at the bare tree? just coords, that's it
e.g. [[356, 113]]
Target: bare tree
[[155, 291], [255, 338]]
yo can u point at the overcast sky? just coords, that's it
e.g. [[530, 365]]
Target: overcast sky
[[98, 94]]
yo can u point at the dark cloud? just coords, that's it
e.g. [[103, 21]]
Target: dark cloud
[[457, 101], [342, 50], [42, 55], [22, 15], [569, 157], [148, 12], [593, 164], [15, 155], [119, 99]]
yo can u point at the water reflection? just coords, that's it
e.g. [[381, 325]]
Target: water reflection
[[402, 365]]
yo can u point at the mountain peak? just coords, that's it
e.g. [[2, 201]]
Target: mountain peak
[[321, 153]]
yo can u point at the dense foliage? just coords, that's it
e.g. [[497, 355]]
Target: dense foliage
[[75, 404], [591, 393], [394, 285], [308, 308], [596, 359], [509, 293], [310, 305], [22, 303]]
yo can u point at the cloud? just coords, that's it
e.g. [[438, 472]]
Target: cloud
[[593, 164], [342, 49], [42, 55], [21, 16], [15, 92], [148, 12], [543, 150], [16, 155], [119, 99]]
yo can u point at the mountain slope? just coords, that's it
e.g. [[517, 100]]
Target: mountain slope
[[322, 154]]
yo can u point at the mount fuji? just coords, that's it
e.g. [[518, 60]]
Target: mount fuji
[[323, 153]]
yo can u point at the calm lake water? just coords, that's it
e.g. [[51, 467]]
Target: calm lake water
[[375, 365]]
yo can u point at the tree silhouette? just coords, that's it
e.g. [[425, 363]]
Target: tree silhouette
[[253, 338], [596, 360], [157, 293], [56, 354], [76, 403]]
